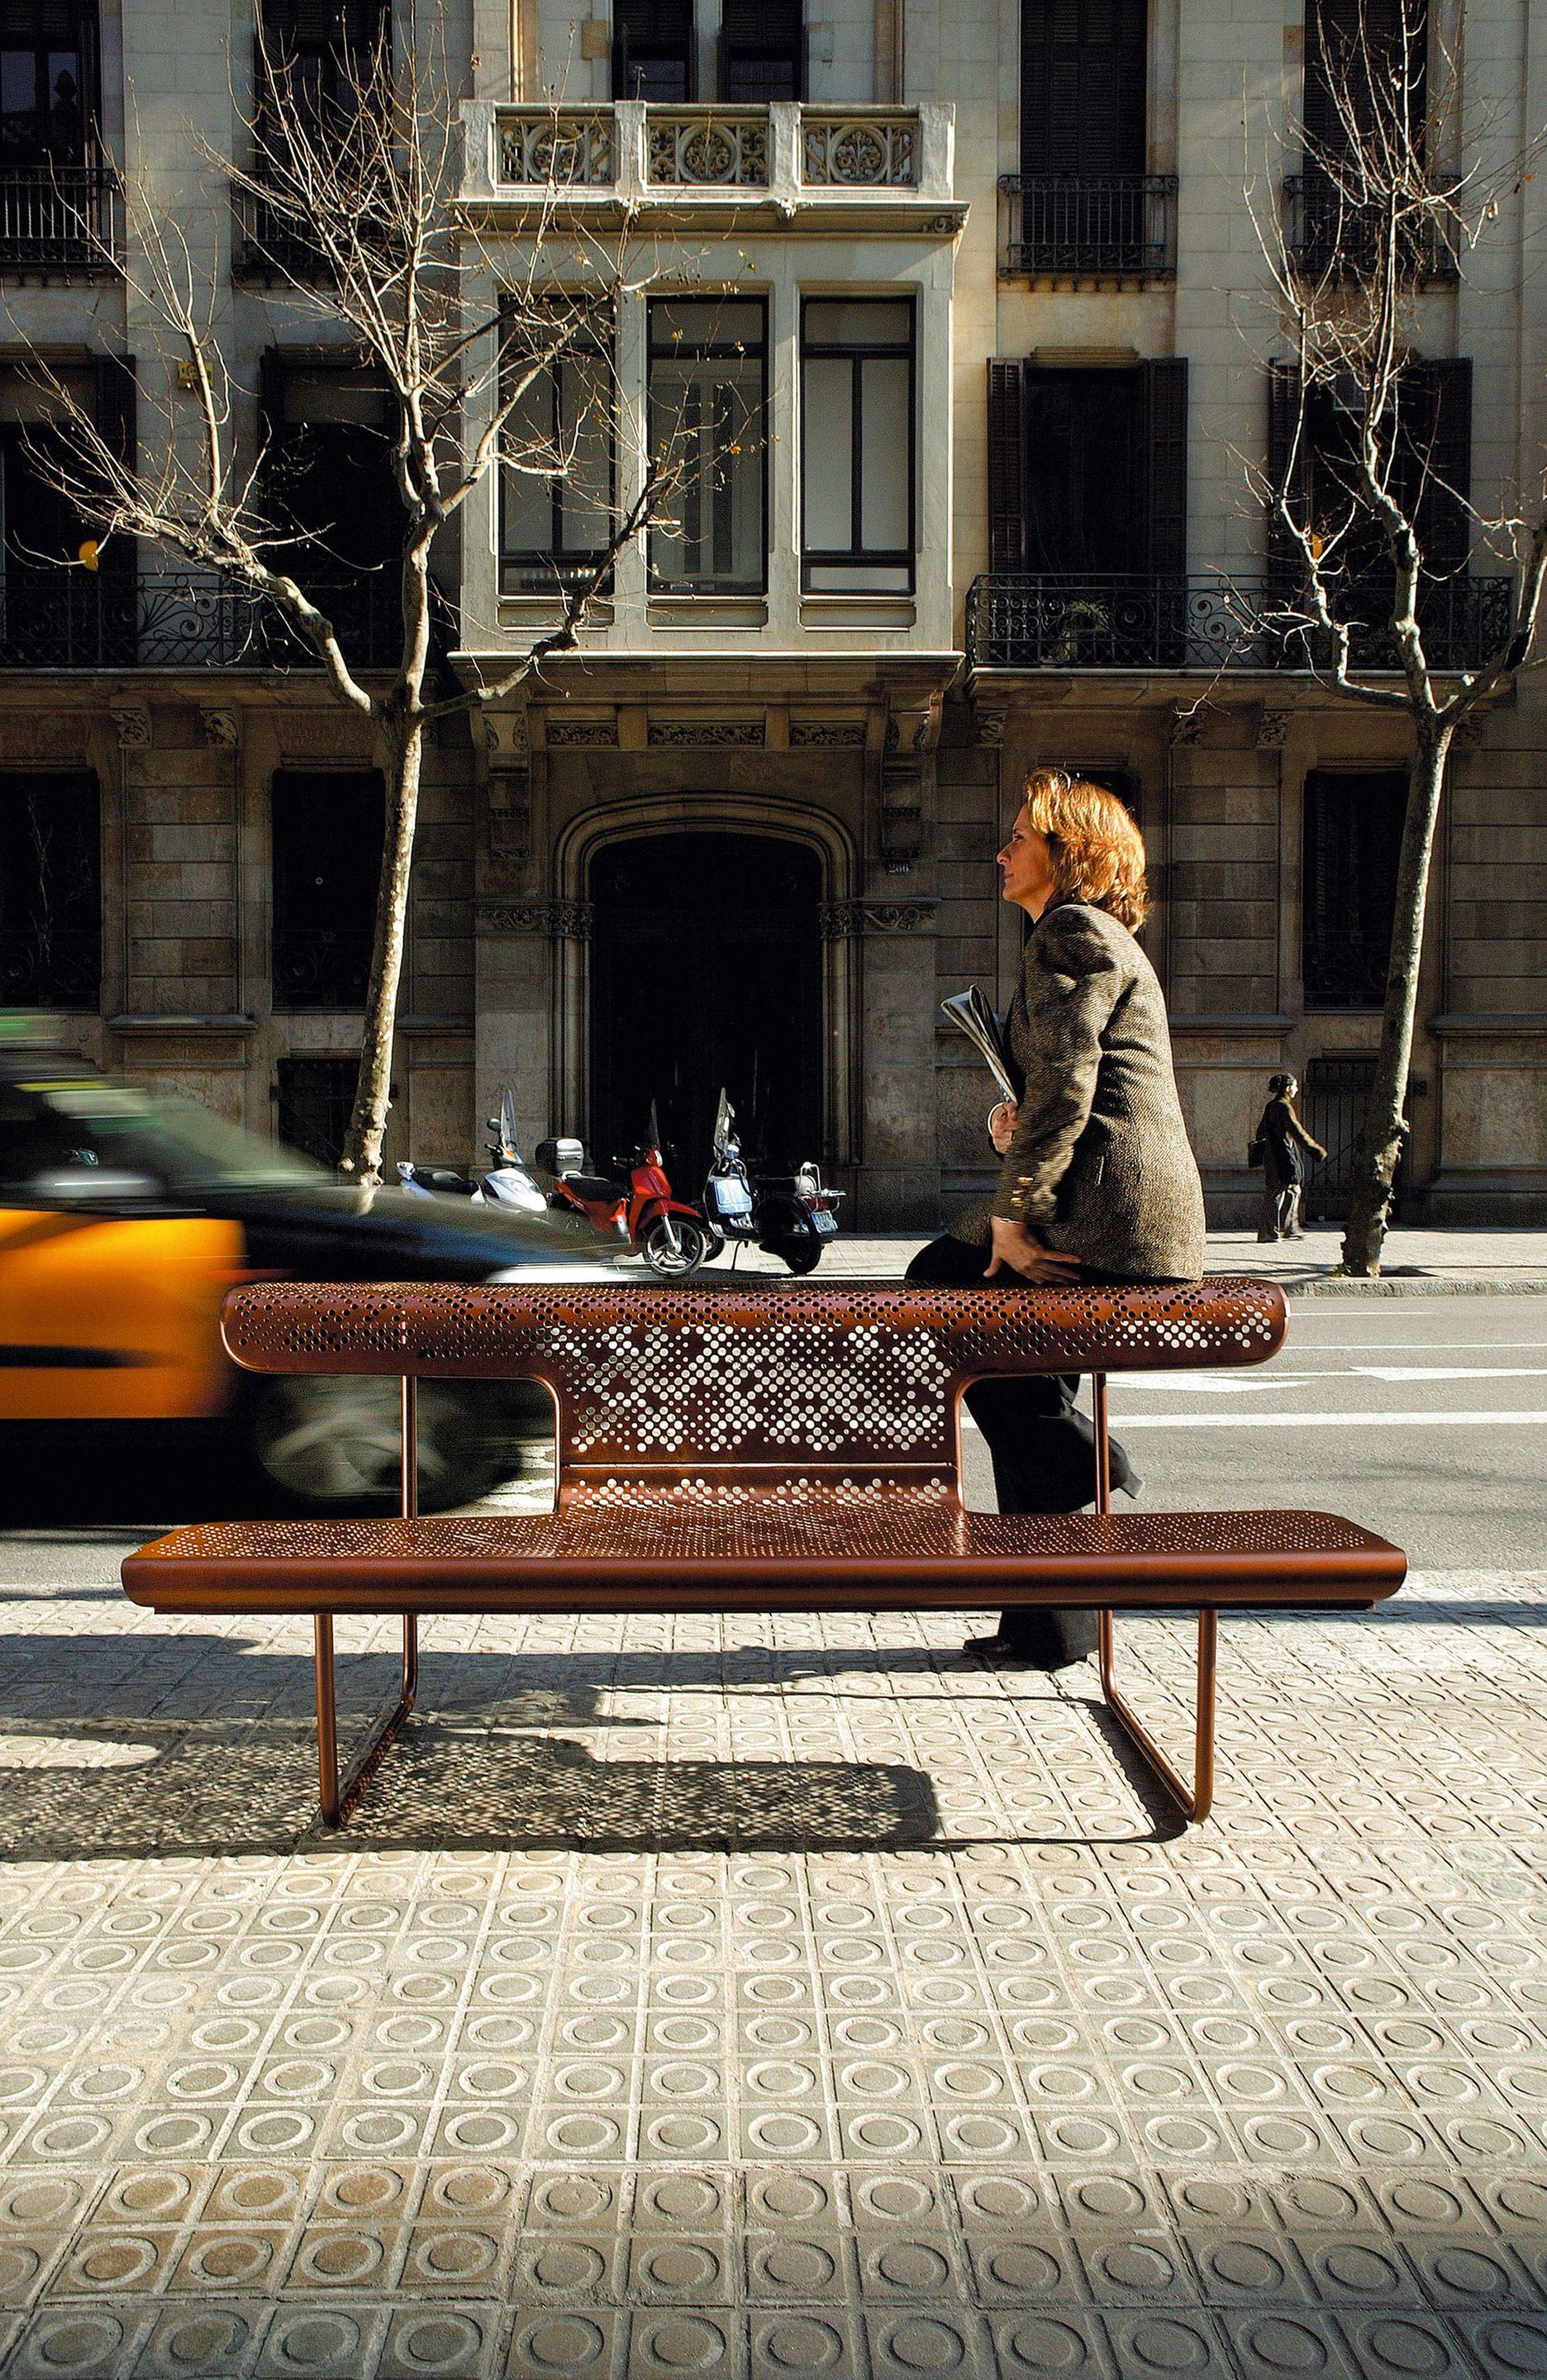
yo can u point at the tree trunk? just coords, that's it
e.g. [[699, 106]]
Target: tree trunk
[[1386, 1128], [362, 1147]]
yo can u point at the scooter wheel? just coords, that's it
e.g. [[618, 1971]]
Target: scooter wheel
[[675, 1245], [801, 1256]]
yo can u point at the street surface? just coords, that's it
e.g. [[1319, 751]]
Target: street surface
[[792, 1997]]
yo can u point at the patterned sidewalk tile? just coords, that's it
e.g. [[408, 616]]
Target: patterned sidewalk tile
[[774, 1999]]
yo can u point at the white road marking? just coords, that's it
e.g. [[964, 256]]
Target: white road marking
[[1123, 1421], [1225, 1384]]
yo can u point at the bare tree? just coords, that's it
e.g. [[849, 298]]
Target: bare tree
[[1375, 532], [350, 193]]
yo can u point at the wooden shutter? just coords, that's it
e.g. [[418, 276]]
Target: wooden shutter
[[1361, 42], [1083, 68], [1438, 399], [1006, 466], [1285, 565], [1165, 465]]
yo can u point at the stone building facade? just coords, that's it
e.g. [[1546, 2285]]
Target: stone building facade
[[991, 510]]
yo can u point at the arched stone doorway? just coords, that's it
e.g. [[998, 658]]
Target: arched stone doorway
[[707, 969]]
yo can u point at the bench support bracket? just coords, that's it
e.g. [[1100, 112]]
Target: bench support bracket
[[340, 1798], [1194, 1800]]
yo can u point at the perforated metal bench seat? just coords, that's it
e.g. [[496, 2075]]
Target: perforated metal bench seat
[[759, 1449], [885, 1550]]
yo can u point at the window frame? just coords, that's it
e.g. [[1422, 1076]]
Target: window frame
[[296, 780], [39, 784], [88, 54], [562, 573], [1315, 787], [857, 556], [712, 351]]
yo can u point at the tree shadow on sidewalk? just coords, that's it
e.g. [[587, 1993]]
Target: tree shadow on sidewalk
[[99, 1762]]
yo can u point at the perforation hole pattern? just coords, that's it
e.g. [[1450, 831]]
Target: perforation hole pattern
[[658, 1377]]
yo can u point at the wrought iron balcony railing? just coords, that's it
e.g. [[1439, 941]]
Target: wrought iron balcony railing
[[61, 218], [1135, 621], [182, 619], [1100, 226], [1329, 234]]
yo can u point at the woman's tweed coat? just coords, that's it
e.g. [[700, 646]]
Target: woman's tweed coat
[[1101, 1166]]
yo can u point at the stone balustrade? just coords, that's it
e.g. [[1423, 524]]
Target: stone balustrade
[[785, 154]]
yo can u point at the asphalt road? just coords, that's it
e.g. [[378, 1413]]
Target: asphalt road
[[1424, 1417]]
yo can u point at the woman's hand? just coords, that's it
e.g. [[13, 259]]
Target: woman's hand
[[1001, 1124], [1014, 1247]]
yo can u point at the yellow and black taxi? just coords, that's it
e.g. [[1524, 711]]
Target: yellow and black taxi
[[126, 1214]]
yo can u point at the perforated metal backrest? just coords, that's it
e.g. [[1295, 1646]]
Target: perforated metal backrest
[[650, 1383]]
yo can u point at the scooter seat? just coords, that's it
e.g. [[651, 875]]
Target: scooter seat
[[592, 1186]]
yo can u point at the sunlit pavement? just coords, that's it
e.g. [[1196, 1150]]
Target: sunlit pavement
[[790, 1997]]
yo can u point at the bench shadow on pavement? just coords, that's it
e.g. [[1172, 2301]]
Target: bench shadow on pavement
[[484, 1764]]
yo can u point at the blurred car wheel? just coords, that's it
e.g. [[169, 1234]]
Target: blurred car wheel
[[331, 1444]]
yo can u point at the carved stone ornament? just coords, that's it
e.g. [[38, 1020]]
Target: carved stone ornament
[[568, 920], [898, 917], [912, 738], [581, 732], [846, 734], [505, 734], [1273, 730], [840, 920], [221, 729], [706, 731], [1187, 726], [131, 725], [990, 727], [1471, 730]]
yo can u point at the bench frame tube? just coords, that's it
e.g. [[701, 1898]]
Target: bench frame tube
[[1195, 1799], [341, 1798]]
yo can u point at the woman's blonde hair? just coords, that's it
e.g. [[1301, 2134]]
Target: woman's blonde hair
[[1098, 853]]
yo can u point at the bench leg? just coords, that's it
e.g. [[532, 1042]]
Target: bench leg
[[341, 1798], [1195, 1799]]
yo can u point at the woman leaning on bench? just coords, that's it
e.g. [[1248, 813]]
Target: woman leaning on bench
[[1098, 1182]]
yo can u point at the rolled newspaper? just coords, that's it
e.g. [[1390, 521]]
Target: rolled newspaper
[[971, 1014]]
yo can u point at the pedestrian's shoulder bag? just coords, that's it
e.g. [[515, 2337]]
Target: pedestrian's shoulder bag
[[1256, 1151]]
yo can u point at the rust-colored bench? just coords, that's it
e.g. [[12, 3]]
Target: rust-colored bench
[[758, 1450]]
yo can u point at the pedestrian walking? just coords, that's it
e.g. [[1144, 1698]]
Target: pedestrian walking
[[1098, 1182], [1280, 1138]]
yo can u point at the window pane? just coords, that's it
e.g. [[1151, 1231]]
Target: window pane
[[859, 323], [528, 508], [708, 417], [829, 455], [585, 490], [860, 578], [50, 892], [887, 458], [1353, 841], [703, 323], [326, 856]]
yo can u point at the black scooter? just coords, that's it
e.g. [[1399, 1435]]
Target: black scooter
[[788, 1215]]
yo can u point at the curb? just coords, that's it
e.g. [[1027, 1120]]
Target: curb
[[1428, 1286]]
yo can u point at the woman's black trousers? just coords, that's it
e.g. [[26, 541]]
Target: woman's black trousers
[[1044, 1451]]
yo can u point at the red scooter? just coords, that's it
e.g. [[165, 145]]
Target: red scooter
[[672, 1237]]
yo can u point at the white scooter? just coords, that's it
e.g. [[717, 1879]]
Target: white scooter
[[505, 1183]]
